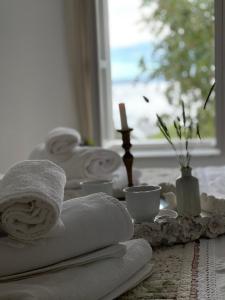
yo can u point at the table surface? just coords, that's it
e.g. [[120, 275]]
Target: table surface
[[172, 277], [155, 176], [192, 271], [165, 281]]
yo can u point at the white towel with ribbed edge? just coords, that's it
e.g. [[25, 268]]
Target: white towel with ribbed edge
[[114, 251], [61, 142], [91, 223], [131, 283], [31, 196], [86, 162], [89, 282]]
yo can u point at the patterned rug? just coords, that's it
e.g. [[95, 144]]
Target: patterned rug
[[174, 275]]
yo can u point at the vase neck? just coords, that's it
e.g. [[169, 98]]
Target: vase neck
[[186, 171]]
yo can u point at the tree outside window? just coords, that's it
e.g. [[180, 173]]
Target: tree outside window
[[180, 58]]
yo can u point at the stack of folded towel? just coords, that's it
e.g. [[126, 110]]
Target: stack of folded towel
[[51, 249], [62, 146]]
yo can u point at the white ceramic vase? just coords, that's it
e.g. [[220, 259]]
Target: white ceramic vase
[[187, 194]]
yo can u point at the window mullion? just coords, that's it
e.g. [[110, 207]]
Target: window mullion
[[219, 72], [104, 70]]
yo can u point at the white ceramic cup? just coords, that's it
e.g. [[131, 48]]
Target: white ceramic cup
[[143, 202], [96, 186]]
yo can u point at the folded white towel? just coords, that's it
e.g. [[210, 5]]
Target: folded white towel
[[73, 184], [91, 223], [72, 193], [31, 196], [61, 142], [86, 162], [131, 283], [114, 251], [89, 282]]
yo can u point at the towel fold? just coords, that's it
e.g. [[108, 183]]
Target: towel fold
[[114, 251], [131, 283], [86, 162], [91, 223], [61, 142], [31, 196], [73, 184], [89, 282]]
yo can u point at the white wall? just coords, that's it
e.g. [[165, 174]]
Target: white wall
[[35, 90]]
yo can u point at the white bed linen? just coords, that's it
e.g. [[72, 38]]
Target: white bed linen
[[90, 282], [91, 223]]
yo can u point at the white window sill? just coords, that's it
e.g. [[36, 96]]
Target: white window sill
[[170, 153], [159, 154]]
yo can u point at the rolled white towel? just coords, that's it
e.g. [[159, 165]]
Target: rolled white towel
[[105, 279], [91, 223], [61, 142], [40, 152], [73, 184], [85, 163], [31, 196], [91, 162], [119, 179]]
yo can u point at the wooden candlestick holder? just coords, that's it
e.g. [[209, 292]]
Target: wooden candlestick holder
[[127, 157]]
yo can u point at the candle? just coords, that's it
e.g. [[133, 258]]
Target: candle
[[123, 116]]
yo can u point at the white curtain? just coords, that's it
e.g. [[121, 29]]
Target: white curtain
[[80, 20]]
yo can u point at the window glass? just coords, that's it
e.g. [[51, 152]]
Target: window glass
[[163, 50]]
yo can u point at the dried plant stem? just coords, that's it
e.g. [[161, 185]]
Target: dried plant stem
[[184, 131], [178, 157], [209, 94], [184, 127]]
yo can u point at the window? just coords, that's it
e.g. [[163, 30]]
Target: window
[[117, 83]]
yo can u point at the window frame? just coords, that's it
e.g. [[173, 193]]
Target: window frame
[[152, 153]]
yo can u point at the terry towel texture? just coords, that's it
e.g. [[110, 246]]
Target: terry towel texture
[[89, 282], [119, 180], [92, 163], [118, 177], [85, 163], [114, 251], [61, 142], [132, 282], [31, 196], [91, 223]]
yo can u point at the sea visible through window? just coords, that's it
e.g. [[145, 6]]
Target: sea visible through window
[[163, 50]]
